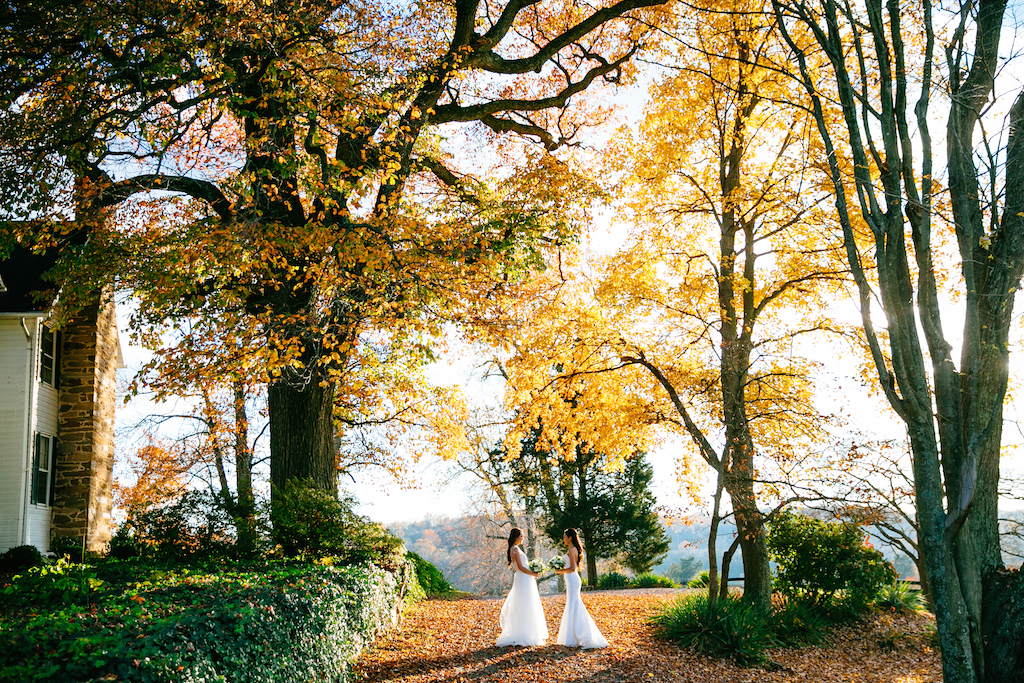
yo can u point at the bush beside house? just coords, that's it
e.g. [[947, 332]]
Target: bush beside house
[[176, 602], [266, 624]]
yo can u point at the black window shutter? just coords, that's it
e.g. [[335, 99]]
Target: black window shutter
[[53, 470], [58, 354], [35, 469]]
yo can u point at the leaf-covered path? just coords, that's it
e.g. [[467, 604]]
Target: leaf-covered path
[[453, 641]]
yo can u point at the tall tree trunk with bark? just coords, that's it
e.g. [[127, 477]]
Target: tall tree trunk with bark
[[953, 415], [301, 433], [713, 537], [757, 574], [726, 561], [739, 313], [300, 400], [245, 502], [588, 530]]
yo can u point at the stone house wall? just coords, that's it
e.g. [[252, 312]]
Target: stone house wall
[[83, 486]]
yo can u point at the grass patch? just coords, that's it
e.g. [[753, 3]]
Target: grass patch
[[795, 623], [700, 581], [899, 597], [650, 580], [725, 628]]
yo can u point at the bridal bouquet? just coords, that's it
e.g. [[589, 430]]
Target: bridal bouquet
[[557, 563], [537, 565]]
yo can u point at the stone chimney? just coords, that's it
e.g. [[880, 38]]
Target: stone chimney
[[83, 495]]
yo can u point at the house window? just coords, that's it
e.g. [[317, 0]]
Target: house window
[[48, 357], [42, 471]]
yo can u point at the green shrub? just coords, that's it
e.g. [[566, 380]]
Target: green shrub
[[649, 580], [796, 623], [311, 523], [414, 591], [700, 581], [612, 580], [430, 577], [900, 597], [69, 547], [48, 586], [272, 623], [893, 639], [724, 628], [191, 528], [20, 558], [819, 561]]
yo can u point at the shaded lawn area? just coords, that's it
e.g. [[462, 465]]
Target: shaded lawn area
[[453, 641]]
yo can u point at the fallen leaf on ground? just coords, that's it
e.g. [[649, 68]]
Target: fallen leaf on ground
[[453, 640]]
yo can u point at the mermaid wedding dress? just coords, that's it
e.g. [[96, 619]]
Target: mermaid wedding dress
[[522, 617], [577, 628]]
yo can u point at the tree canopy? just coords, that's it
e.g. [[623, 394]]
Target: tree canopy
[[273, 183]]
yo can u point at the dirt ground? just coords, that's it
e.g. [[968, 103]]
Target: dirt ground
[[453, 641]]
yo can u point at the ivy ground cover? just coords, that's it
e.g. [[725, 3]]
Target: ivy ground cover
[[277, 622], [453, 641]]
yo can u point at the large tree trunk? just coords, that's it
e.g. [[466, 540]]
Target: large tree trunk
[[992, 265], [1001, 632], [953, 416], [723, 590], [531, 533], [1003, 626], [738, 463], [301, 434], [757, 573], [591, 570], [922, 573], [588, 531], [737, 326], [952, 619]]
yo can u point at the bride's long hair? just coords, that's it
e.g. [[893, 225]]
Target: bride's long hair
[[512, 536], [574, 538]]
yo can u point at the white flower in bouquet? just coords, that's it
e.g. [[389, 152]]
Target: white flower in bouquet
[[537, 565], [557, 563]]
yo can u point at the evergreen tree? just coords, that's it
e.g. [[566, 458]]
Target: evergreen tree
[[646, 543], [613, 510]]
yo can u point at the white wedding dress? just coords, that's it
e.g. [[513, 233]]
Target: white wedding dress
[[577, 628], [522, 617]]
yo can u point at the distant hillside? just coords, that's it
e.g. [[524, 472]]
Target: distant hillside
[[470, 551]]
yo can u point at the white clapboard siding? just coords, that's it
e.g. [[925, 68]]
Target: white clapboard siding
[[38, 529], [46, 409], [14, 366], [46, 423]]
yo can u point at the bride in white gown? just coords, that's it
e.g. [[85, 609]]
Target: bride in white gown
[[577, 628], [522, 617]]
